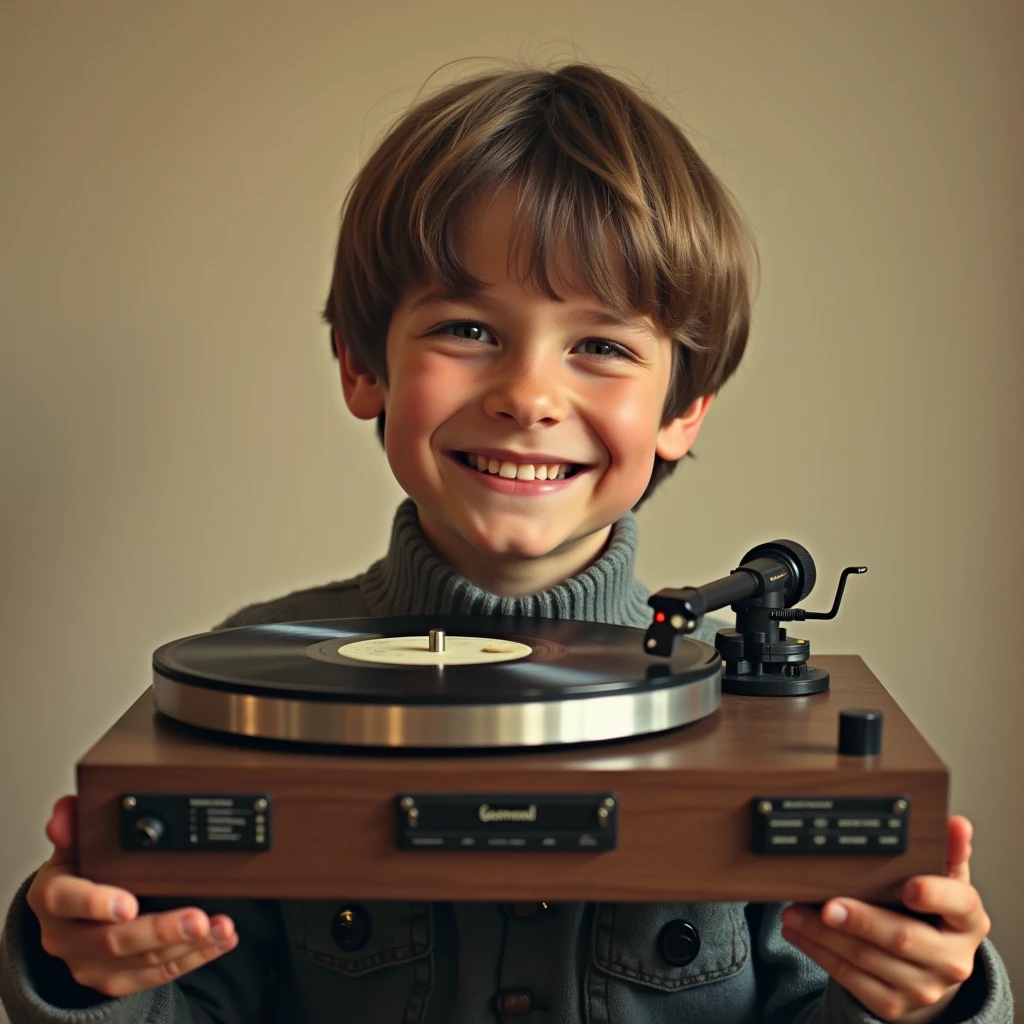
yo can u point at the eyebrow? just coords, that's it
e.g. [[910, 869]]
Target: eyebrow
[[439, 296], [595, 317], [607, 318]]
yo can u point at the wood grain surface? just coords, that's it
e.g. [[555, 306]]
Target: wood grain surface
[[684, 808]]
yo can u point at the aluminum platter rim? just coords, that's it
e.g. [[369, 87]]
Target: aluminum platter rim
[[441, 726]]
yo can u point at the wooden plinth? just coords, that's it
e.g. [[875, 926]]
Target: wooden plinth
[[684, 809]]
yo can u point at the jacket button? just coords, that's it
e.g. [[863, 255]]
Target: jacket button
[[350, 928], [679, 943], [524, 909], [513, 1003]]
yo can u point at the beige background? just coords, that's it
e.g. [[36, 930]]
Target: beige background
[[173, 442]]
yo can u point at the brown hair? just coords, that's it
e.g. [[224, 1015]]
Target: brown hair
[[600, 169]]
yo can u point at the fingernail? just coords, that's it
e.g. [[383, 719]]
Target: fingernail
[[190, 927], [835, 913], [223, 945], [122, 908]]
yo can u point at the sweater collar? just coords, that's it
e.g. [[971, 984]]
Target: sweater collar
[[412, 579]]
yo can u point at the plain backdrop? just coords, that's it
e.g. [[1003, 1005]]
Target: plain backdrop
[[173, 442]]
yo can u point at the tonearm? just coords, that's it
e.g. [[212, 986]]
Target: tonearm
[[760, 657]]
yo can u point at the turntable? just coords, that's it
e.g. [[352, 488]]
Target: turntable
[[519, 759]]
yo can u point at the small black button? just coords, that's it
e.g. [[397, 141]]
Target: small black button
[[679, 943], [513, 1003], [350, 928], [524, 909]]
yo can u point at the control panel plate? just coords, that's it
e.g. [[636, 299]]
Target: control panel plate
[[484, 821], [826, 826], [195, 821]]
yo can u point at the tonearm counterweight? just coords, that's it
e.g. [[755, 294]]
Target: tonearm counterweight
[[761, 659]]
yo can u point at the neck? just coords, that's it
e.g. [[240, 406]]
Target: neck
[[511, 576], [596, 584]]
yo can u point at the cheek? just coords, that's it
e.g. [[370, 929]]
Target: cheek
[[407, 432], [419, 402], [628, 419]]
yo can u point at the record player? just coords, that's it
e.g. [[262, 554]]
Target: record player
[[516, 759]]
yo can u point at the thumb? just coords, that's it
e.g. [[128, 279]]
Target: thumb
[[61, 829], [959, 831]]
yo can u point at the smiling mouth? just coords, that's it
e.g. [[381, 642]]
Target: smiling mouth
[[519, 470]]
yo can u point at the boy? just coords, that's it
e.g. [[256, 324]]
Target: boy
[[538, 289]]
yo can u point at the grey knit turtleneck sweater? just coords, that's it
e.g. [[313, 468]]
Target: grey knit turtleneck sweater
[[412, 579]]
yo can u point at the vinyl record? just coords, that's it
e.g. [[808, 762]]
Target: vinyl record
[[553, 681]]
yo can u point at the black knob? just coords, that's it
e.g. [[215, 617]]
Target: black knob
[[679, 943], [860, 732], [149, 830], [351, 928]]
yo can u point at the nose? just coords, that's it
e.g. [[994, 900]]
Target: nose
[[529, 396]]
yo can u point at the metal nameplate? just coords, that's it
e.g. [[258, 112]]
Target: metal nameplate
[[823, 826], [195, 821], [517, 821]]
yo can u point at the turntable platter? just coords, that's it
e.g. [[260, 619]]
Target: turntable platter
[[524, 682]]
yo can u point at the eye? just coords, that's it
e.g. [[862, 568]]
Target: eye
[[468, 330], [602, 347]]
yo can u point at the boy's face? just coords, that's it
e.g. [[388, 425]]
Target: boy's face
[[559, 402]]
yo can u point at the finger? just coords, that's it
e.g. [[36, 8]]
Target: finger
[[69, 897], [61, 830], [122, 983], [164, 931], [146, 938], [880, 998], [959, 832], [957, 903], [220, 935], [889, 935], [908, 955]]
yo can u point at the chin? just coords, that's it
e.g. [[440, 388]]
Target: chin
[[514, 540], [515, 544]]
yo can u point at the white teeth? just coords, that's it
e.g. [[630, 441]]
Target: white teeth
[[518, 471]]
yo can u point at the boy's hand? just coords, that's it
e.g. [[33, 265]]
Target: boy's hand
[[900, 968], [96, 930]]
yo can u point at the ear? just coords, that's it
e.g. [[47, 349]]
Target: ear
[[364, 393], [676, 437]]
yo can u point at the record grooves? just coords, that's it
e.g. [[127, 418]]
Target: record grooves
[[580, 682]]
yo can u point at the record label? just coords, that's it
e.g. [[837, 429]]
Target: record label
[[415, 650]]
